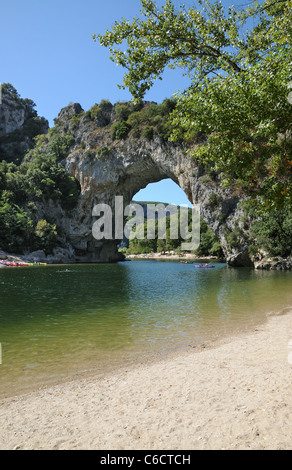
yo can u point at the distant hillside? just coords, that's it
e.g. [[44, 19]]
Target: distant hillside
[[172, 208]]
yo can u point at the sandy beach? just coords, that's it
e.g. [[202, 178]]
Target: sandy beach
[[234, 394], [170, 256]]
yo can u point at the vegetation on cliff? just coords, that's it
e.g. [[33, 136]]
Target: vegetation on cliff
[[239, 101], [240, 82], [13, 145], [143, 120], [30, 181]]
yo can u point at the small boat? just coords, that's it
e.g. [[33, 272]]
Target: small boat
[[204, 266], [13, 263], [3, 263], [20, 263]]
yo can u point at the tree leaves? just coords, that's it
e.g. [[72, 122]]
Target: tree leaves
[[240, 71], [165, 38]]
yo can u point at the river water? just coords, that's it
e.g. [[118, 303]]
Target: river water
[[57, 321]]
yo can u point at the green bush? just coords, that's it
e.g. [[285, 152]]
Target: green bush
[[59, 145], [148, 132], [120, 130], [33, 126], [89, 154], [233, 237], [122, 111], [94, 112], [103, 151], [147, 121], [46, 235], [271, 232], [214, 200], [209, 243], [75, 120], [16, 227]]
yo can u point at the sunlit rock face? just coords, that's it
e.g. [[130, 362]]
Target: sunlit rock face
[[18, 126], [107, 168]]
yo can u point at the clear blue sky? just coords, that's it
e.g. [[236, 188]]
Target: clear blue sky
[[49, 56]]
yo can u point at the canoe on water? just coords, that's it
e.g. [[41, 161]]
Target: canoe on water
[[204, 266], [12, 263], [21, 263]]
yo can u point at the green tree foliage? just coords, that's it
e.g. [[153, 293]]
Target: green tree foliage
[[272, 233], [11, 90], [139, 243], [39, 177], [16, 227], [45, 177], [46, 235], [148, 121], [59, 145], [37, 180], [97, 112], [120, 129], [209, 243], [239, 77], [168, 38]]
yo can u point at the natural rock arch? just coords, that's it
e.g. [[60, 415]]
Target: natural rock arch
[[107, 168]]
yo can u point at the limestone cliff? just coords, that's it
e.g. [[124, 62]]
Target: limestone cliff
[[19, 124], [107, 168]]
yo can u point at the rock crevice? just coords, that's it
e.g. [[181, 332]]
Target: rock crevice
[[107, 168]]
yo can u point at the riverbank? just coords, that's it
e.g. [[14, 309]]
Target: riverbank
[[235, 394], [276, 263], [63, 258], [60, 256], [185, 257]]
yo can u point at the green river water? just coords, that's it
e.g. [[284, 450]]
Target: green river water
[[58, 321]]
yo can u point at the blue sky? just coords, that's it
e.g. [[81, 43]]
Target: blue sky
[[49, 56]]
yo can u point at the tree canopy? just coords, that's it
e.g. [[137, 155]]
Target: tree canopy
[[240, 69]]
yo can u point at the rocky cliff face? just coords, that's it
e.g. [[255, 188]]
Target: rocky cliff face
[[107, 168], [12, 114], [19, 124]]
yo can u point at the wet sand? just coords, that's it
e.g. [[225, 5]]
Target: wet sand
[[232, 394]]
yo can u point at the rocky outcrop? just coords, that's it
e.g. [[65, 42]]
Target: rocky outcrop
[[19, 124], [107, 168], [277, 263]]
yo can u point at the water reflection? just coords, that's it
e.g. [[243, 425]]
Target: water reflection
[[54, 322]]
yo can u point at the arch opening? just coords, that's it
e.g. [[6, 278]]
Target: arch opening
[[131, 170], [165, 193]]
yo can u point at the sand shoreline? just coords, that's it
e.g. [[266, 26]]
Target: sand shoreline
[[233, 395]]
